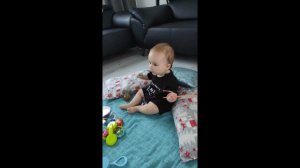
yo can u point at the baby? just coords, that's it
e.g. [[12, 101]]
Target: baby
[[161, 94]]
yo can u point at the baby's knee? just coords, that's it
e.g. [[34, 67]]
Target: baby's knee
[[149, 108], [140, 92]]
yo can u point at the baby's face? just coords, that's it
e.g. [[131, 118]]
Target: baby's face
[[158, 63]]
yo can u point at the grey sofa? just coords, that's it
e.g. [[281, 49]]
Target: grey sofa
[[174, 23]]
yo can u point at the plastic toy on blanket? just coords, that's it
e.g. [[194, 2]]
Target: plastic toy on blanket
[[113, 127], [106, 163], [127, 93]]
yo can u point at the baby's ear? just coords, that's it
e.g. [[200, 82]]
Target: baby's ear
[[169, 66]]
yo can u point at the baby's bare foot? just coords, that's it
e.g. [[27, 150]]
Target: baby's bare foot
[[124, 106], [132, 109]]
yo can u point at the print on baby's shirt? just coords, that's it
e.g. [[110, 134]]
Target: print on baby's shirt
[[153, 90]]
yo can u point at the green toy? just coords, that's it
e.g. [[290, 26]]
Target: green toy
[[113, 125], [111, 139]]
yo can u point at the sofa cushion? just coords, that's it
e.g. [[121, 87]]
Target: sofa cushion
[[151, 16], [184, 9], [181, 35], [115, 31], [116, 40], [179, 24]]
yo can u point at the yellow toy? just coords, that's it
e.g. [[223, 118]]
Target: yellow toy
[[111, 139], [113, 125]]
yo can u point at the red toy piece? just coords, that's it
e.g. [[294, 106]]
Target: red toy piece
[[104, 134], [119, 122]]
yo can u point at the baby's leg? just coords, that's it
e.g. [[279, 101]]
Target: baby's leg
[[137, 99], [149, 108]]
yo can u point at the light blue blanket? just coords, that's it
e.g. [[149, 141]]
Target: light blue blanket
[[150, 141]]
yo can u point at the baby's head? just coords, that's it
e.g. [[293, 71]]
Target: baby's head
[[161, 58]]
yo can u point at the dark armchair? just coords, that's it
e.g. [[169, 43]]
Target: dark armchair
[[174, 23]]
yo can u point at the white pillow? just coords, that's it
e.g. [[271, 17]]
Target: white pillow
[[114, 87], [185, 118]]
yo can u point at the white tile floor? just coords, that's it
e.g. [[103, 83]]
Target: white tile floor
[[133, 61]]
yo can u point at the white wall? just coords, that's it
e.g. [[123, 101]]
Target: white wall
[[148, 3]]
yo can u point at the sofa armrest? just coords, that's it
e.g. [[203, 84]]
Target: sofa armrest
[[138, 31], [107, 16], [122, 19], [152, 16]]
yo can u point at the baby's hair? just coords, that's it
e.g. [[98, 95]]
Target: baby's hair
[[167, 50]]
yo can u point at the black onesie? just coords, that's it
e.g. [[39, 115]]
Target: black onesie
[[154, 92]]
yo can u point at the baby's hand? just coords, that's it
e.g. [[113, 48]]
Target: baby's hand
[[140, 75], [171, 97]]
